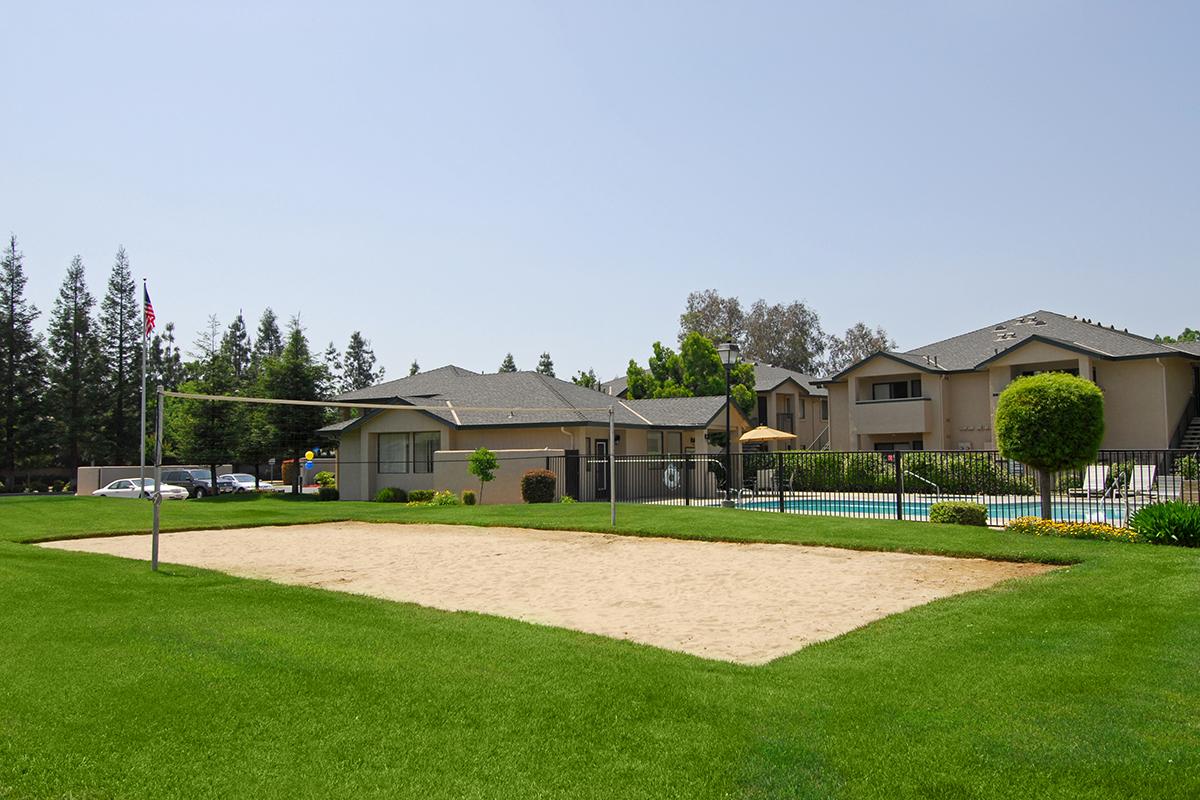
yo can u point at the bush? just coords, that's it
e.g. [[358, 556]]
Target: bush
[[421, 495], [468, 497], [327, 493], [566, 499], [1051, 421], [68, 488], [538, 486], [56, 486], [956, 513], [390, 495], [446, 498], [1035, 526], [1174, 523], [1188, 468], [325, 479]]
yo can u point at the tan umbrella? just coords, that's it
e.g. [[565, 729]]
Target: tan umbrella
[[764, 434]]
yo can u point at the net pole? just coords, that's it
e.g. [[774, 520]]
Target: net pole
[[158, 448], [612, 469]]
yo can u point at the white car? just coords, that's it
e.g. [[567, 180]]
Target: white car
[[128, 487], [245, 482]]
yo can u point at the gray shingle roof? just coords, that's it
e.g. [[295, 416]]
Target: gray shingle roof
[[524, 399], [971, 350], [767, 377]]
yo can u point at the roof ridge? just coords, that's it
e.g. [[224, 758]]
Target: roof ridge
[[546, 382]]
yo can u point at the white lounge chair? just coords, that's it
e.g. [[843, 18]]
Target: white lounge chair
[[1141, 480], [1095, 482]]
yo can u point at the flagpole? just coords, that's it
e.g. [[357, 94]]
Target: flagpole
[[142, 439]]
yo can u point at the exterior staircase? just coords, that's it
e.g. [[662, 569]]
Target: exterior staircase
[[1191, 436]]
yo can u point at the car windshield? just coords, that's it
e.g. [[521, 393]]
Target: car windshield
[[242, 477]]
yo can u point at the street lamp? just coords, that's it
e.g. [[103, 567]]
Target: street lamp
[[728, 351]]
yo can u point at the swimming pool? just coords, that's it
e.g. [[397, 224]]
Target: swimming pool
[[998, 512]]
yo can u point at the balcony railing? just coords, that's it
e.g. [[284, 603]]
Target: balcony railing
[[906, 415]]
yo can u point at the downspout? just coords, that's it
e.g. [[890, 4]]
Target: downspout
[[1166, 406], [566, 432]]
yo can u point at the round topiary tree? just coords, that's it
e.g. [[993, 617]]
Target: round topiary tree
[[1050, 422]]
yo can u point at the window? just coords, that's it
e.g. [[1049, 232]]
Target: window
[[395, 452], [674, 442], [824, 409], [425, 443], [762, 409], [893, 390], [800, 409], [914, 387], [654, 447]]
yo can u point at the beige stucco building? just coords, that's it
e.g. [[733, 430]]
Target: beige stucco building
[[943, 396], [529, 420]]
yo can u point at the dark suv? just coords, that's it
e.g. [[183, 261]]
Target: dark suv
[[197, 481]]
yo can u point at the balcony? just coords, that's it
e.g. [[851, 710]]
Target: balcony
[[910, 415], [785, 422]]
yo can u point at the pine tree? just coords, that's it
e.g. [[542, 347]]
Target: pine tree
[[74, 370], [331, 364], [413, 368], [294, 376], [209, 429], [23, 432], [267, 343], [546, 365], [360, 372], [508, 364], [121, 353], [165, 360], [237, 349]]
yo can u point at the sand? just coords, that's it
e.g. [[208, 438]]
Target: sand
[[745, 603]]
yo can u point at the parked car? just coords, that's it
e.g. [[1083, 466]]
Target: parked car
[[129, 487], [246, 483], [230, 484], [197, 482]]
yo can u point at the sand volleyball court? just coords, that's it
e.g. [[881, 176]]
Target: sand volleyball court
[[747, 603]]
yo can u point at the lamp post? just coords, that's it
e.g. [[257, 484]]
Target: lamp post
[[728, 351]]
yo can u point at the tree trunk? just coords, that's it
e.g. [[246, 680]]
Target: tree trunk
[[1044, 478]]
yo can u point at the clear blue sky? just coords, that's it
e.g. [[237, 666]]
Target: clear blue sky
[[459, 180]]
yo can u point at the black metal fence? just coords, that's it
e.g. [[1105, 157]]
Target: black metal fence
[[899, 485]]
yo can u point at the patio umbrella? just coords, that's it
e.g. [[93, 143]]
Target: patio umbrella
[[764, 434]]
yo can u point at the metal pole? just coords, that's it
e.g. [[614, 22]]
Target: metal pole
[[158, 439], [728, 445], [142, 439], [612, 470]]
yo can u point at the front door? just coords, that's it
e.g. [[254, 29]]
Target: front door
[[572, 466], [601, 471]]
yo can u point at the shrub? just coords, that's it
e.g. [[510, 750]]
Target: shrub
[[68, 487], [1035, 526], [421, 495], [446, 498], [956, 513], [566, 499], [1174, 523], [468, 497], [1050, 422], [325, 479], [327, 493], [390, 495], [538, 486], [1188, 467], [56, 486]]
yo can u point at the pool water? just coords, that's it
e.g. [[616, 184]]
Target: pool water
[[998, 513]]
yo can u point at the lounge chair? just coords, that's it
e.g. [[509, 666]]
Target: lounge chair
[[1170, 487], [1141, 480], [1095, 482]]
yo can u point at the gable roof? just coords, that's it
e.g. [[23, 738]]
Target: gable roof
[[969, 351], [464, 399], [617, 387], [767, 377]]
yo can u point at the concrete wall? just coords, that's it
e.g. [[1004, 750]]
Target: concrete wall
[[966, 404], [842, 435]]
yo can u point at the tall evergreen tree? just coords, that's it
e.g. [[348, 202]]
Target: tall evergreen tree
[[237, 349], [74, 370], [546, 365], [294, 376], [23, 431], [268, 343], [209, 428], [413, 368], [331, 364], [509, 364], [165, 360], [359, 371], [121, 354]]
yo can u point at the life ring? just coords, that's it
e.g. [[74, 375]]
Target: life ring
[[671, 477]]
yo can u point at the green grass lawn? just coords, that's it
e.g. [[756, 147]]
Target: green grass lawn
[[117, 682]]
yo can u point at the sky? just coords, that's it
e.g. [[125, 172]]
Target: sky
[[460, 180]]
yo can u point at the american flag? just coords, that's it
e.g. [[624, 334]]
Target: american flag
[[149, 311]]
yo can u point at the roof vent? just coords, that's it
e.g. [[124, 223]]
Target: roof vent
[[999, 327], [1039, 322]]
